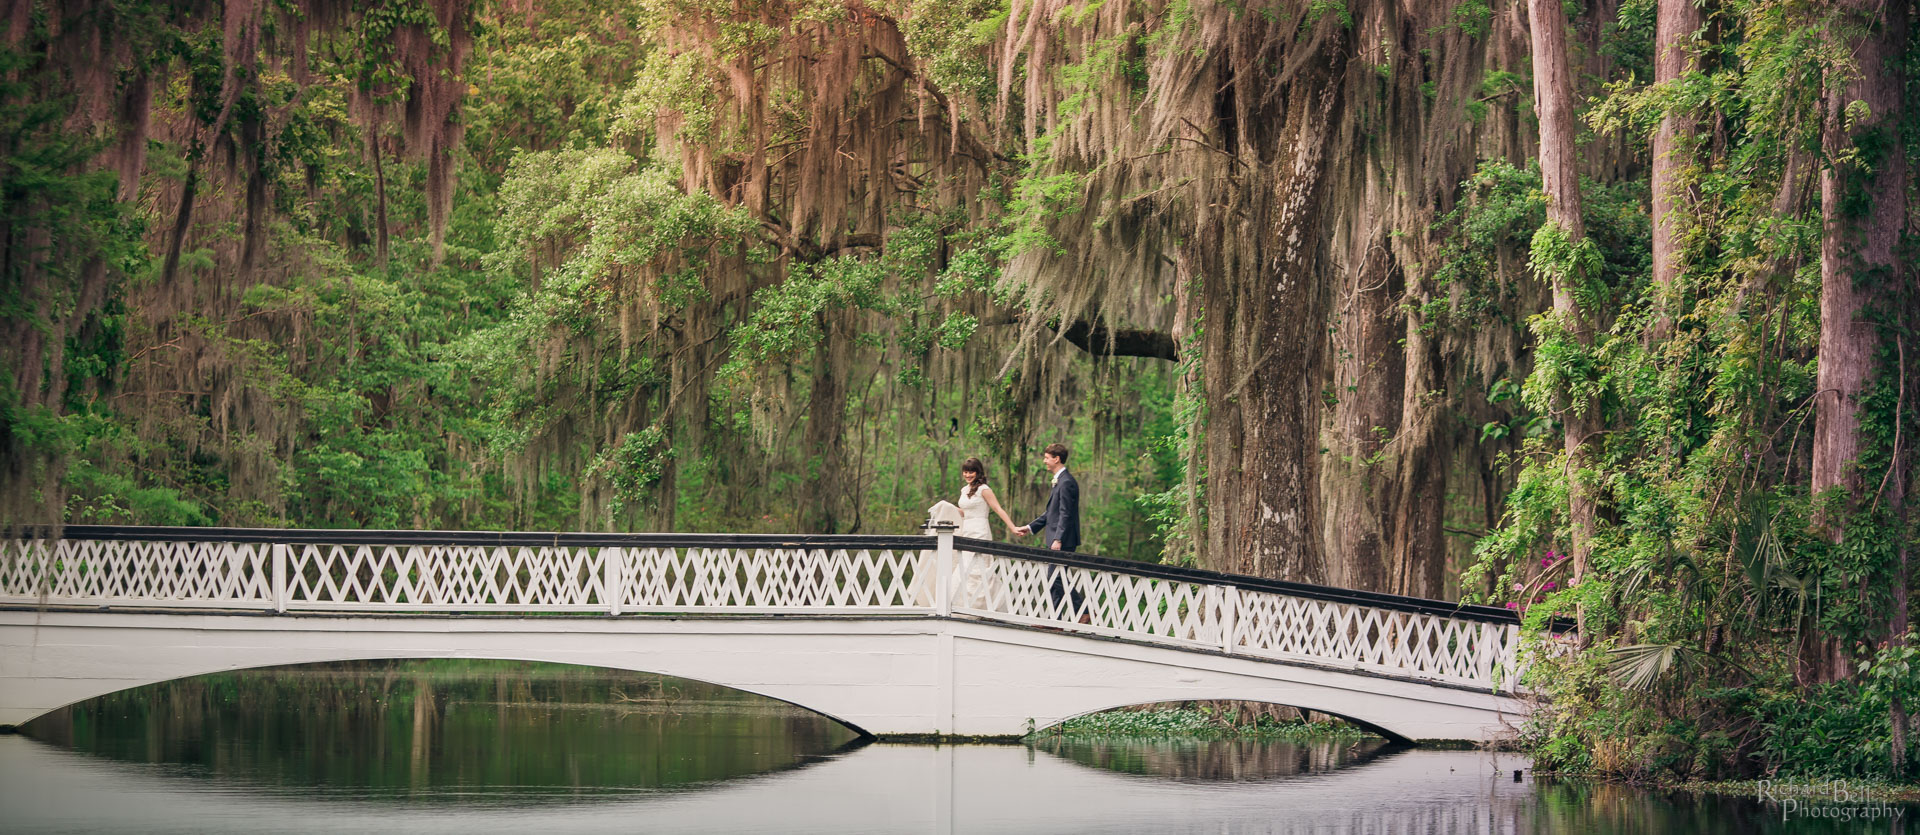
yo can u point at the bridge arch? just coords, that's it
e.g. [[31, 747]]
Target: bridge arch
[[157, 677], [1367, 725]]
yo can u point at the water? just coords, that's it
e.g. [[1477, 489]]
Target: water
[[459, 746]]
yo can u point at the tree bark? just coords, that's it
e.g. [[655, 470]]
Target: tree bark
[[1264, 365], [826, 411], [379, 198], [1553, 101], [182, 219], [1361, 465], [1864, 213], [1863, 194], [1384, 472], [1675, 24]]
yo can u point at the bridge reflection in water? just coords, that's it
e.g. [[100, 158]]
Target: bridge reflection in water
[[448, 730], [1242, 759], [893, 636], [898, 788]]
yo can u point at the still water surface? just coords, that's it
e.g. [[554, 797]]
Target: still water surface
[[465, 746]]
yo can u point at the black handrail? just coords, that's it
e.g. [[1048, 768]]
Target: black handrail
[[587, 539], [576, 539], [1382, 600]]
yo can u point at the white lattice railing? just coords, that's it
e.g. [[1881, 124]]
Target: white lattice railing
[[426, 572], [1400, 642]]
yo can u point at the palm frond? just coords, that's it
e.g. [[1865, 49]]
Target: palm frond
[[1638, 666]]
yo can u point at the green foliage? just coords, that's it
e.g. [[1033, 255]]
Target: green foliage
[[633, 466], [1576, 265], [786, 323], [1893, 672], [1178, 512], [1503, 208], [975, 269], [1843, 729], [1834, 730], [948, 37], [1628, 39], [1318, 9], [1713, 570], [1472, 17], [1592, 725], [1037, 199]]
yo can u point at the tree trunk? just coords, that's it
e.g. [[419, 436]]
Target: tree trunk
[[826, 410], [379, 199], [1864, 213], [1675, 25], [1384, 472], [182, 218], [1863, 195], [1419, 545], [1264, 364], [1361, 468], [1553, 101]]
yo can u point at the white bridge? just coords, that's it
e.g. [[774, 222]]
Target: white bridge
[[894, 636]]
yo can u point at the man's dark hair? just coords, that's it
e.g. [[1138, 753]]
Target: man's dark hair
[[1058, 451]]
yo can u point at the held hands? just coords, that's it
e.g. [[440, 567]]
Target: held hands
[[1025, 530]]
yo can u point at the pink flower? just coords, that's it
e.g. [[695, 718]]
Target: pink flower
[[1550, 586], [1546, 561], [1513, 605], [1519, 586]]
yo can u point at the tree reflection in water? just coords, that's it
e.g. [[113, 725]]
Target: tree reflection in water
[[1214, 760]]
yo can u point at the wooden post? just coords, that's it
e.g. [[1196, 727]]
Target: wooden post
[[280, 577], [613, 577], [1506, 638], [1485, 661], [1229, 615], [943, 570]]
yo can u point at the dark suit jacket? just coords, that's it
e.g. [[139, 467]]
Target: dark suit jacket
[[1062, 519]]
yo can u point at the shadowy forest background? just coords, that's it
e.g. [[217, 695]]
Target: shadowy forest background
[[1594, 309]]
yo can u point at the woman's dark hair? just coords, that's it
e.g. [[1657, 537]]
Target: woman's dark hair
[[973, 465]]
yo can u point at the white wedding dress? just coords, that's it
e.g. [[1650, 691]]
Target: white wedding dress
[[973, 516], [976, 589], [976, 582]]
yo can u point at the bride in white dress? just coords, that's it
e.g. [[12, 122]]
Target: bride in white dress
[[975, 500]]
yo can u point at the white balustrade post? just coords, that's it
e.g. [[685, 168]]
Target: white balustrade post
[[943, 570], [1229, 610], [614, 580], [1486, 655], [1510, 658], [280, 577]]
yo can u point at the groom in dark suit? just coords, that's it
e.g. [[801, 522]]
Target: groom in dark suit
[[1061, 523]]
